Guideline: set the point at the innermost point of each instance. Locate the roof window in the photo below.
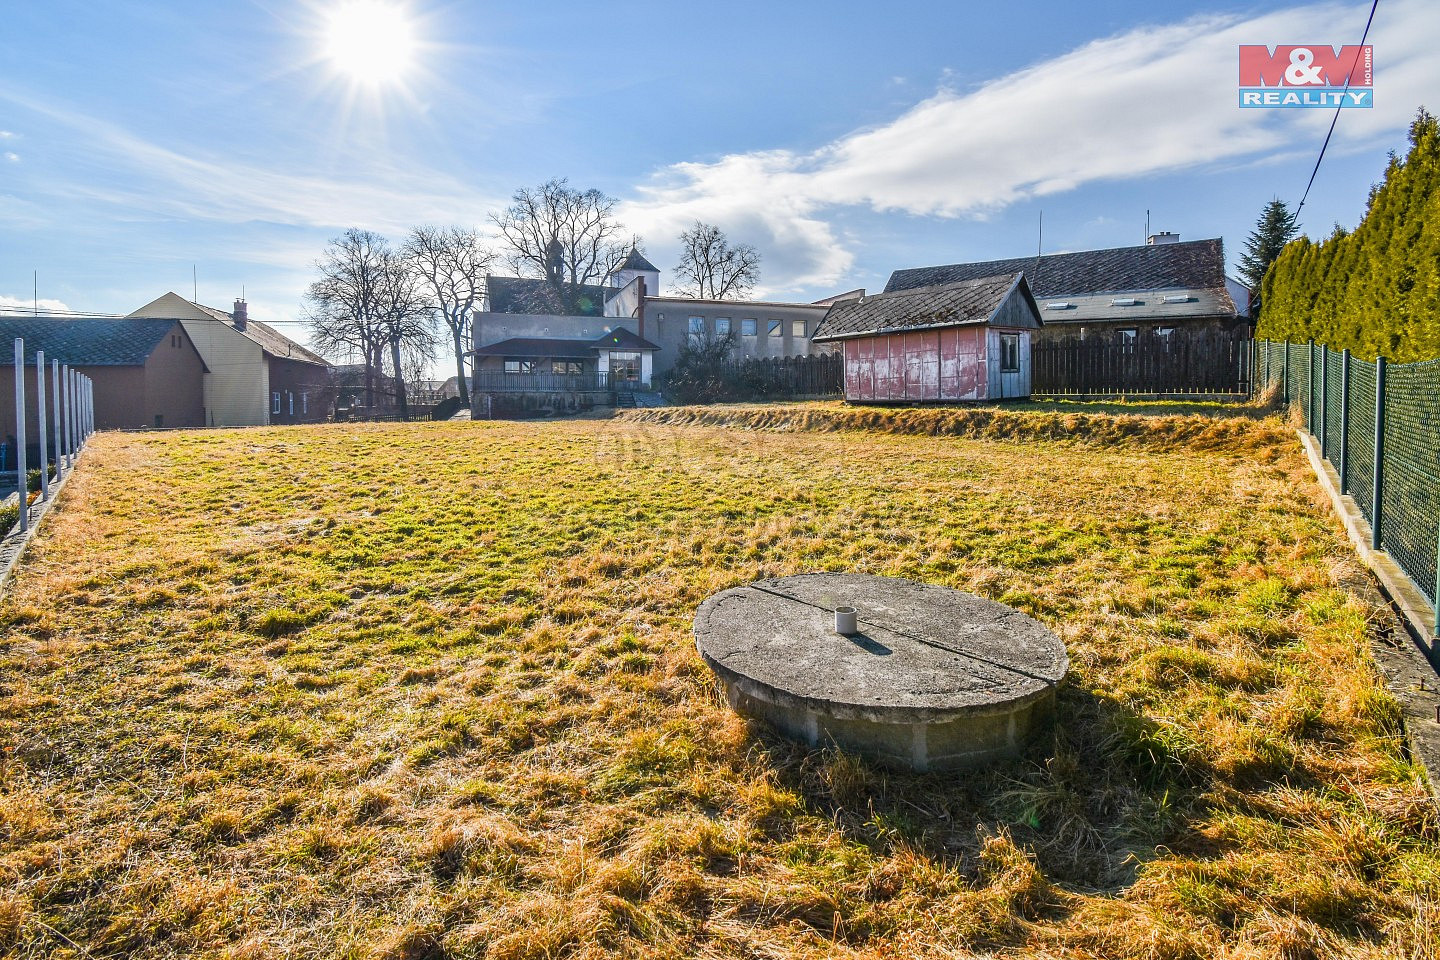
(1124, 302)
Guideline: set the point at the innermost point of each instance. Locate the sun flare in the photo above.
(370, 41)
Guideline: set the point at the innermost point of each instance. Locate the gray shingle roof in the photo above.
(623, 339)
(635, 260)
(557, 347)
(272, 341)
(86, 341)
(974, 300)
(1194, 264)
(553, 347)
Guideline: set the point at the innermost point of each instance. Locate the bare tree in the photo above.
(568, 237)
(365, 301)
(711, 269)
(451, 263)
(407, 319)
(344, 303)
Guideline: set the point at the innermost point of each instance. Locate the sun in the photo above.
(370, 41)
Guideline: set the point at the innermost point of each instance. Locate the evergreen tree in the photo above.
(1375, 289)
(1275, 228)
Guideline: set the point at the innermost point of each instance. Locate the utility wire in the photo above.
(1338, 107)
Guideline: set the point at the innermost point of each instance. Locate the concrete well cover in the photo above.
(934, 678)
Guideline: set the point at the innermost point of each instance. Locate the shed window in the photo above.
(1127, 335)
(304, 402)
(797, 329)
(519, 366)
(697, 324)
(291, 398)
(275, 402)
(1166, 335)
(1009, 353)
(722, 326)
(748, 327)
(565, 367)
(776, 329)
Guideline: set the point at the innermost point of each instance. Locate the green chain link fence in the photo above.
(1378, 424)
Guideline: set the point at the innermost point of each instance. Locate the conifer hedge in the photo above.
(1376, 289)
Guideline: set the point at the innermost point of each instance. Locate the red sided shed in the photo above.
(966, 341)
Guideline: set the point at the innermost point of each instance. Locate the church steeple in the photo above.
(635, 265)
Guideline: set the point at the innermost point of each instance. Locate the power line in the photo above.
(1340, 104)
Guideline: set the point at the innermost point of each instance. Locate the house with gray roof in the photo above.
(1165, 288)
(963, 340)
(256, 375)
(146, 371)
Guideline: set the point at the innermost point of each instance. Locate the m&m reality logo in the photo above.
(1309, 75)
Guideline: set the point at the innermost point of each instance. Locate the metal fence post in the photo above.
(70, 415)
(1345, 420)
(40, 421)
(1310, 391)
(1325, 402)
(55, 416)
(22, 487)
(1285, 376)
(1377, 521)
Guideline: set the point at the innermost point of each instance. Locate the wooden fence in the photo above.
(760, 378)
(1199, 365)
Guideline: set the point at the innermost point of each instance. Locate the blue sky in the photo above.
(842, 139)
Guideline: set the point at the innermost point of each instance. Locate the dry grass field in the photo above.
(425, 691)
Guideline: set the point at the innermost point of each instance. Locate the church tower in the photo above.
(635, 265)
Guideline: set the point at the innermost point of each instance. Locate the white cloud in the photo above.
(11, 304)
(12, 157)
(200, 185)
(1151, 101)
(6, 134)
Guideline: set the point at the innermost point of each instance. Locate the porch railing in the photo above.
(491, 382)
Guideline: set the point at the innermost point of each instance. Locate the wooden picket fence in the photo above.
(1194, 366)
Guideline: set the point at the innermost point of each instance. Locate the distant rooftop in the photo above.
(1193, 264)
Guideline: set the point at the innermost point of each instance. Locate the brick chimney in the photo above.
(241, 315)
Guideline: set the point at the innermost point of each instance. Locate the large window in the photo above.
(777, 329)
(697, 325)
(1009, 352)
(566, 367)
(722, 326)
(748, 326)
(797, 329)
(519, 366)
(624, 367)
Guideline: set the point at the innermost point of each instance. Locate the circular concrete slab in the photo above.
(933, 679)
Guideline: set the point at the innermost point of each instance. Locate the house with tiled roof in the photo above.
(1165, 288)
(146, 372)
(962, 340)
(256, 375)
(524, 331)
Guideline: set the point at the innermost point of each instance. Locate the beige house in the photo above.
(255, 375)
